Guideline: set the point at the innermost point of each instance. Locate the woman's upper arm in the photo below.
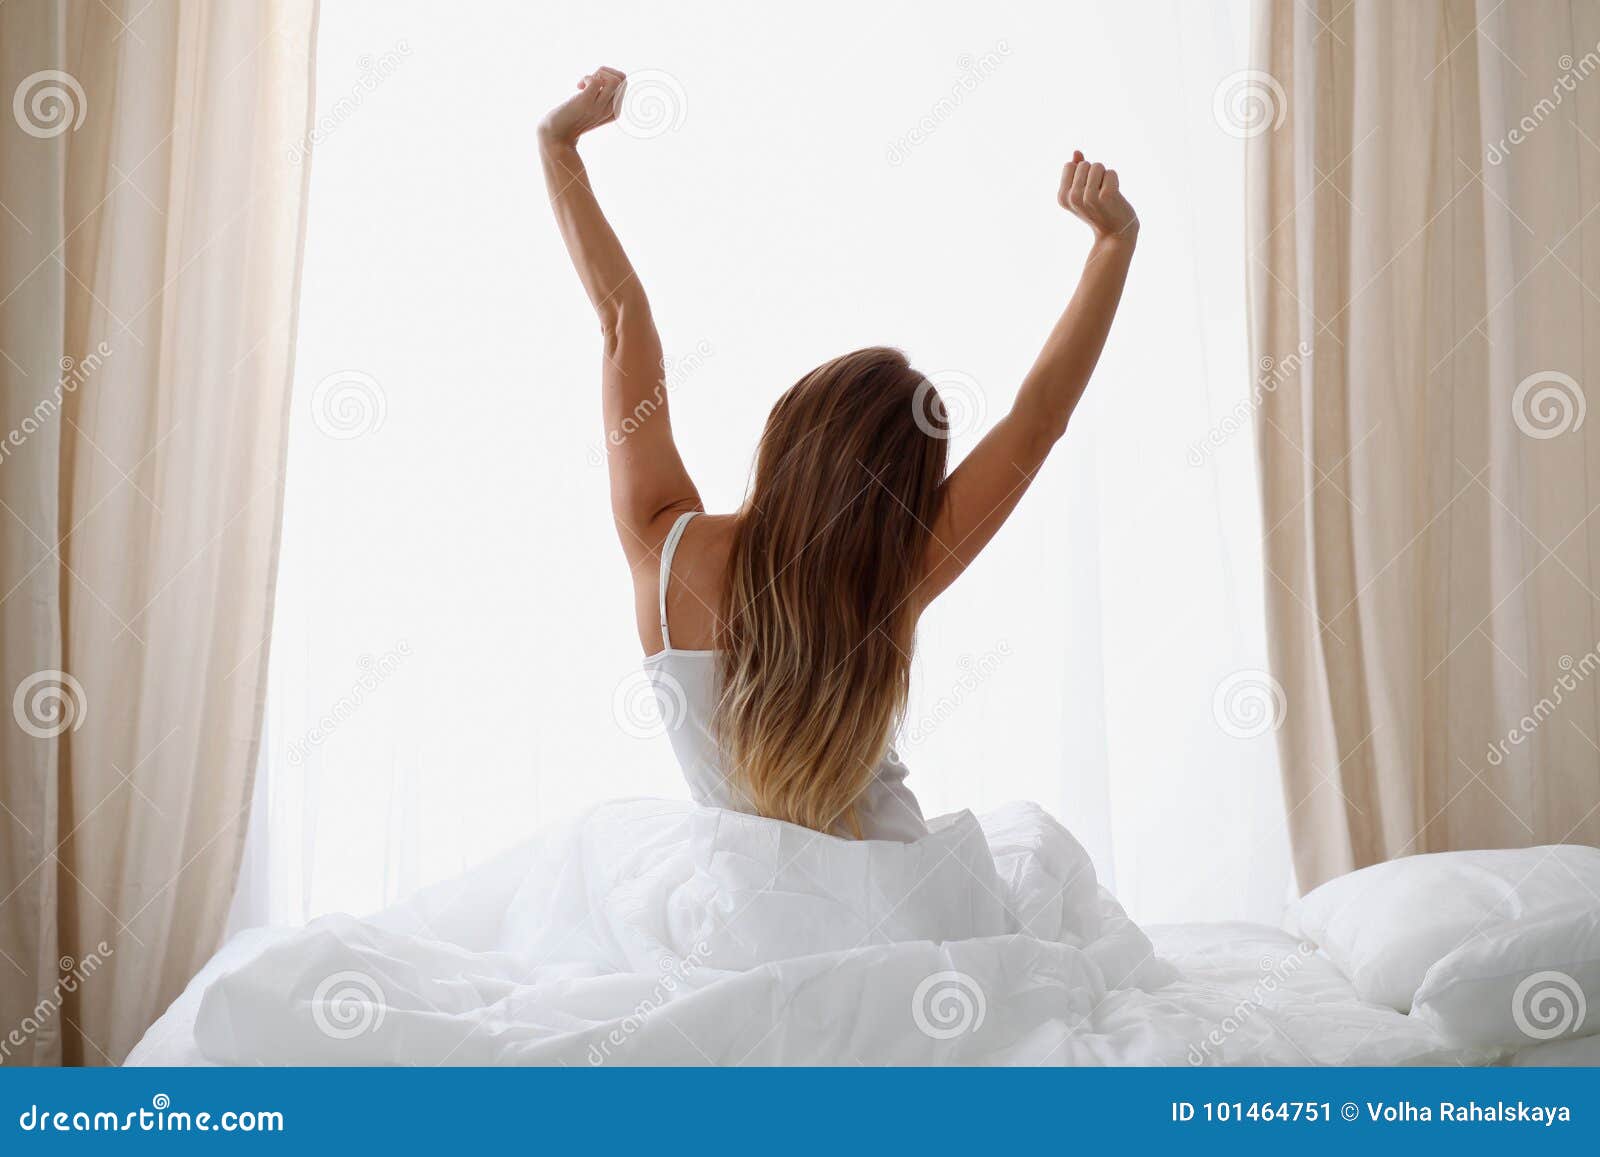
(648, 477)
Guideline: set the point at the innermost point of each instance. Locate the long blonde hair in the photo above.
(815, 635)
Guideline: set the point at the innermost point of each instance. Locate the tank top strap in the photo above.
(668, 549)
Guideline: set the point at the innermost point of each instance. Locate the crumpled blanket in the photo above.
(659, 932)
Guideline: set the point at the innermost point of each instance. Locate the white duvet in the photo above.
(656, 932)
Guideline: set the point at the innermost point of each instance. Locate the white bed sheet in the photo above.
(657, 933)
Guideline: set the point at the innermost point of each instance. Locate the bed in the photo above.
(656, 932)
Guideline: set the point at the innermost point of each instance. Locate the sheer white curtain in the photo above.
(454, 662)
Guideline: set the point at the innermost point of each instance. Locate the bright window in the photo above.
(454, 616)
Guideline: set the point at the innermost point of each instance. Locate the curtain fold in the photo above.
(153, 177)
(1423, 181)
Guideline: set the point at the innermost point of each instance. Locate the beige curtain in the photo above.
(152, 198)
(1424, 223)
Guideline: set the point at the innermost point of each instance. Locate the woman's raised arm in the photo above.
(981, 493)
(648, 479)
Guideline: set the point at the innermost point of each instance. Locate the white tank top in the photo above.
(685, 684)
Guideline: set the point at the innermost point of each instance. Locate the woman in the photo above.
(785, 629)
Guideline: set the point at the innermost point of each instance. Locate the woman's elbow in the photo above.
(1040, 427)
(623, 314)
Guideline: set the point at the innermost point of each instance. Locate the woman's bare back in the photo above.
(696, 588)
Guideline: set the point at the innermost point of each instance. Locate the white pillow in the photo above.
(1572, 1053)
(1520, 986)
(1386, 925)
